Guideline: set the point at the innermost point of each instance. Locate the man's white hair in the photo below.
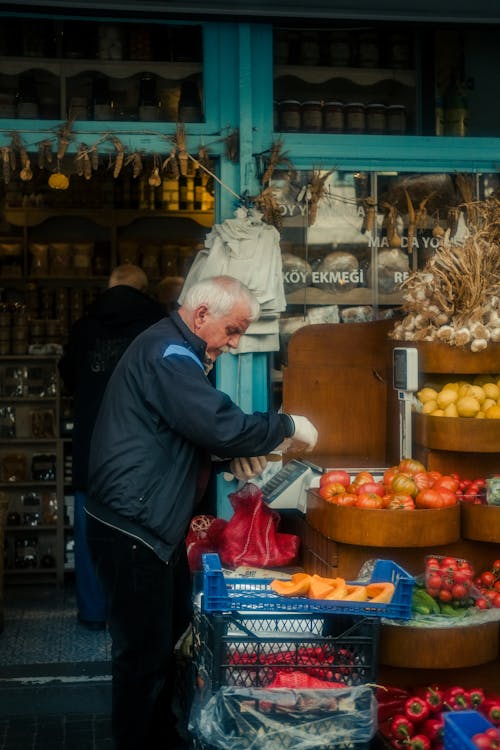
(220, 294)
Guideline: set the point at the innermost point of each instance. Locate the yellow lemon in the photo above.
(453, 386)
(451, 411)
(468, 406)
(429, 407)
(483, 378)
(446, 396)
(475, 391)
(480, 415)
(491, 390)
(464, 390)
(493, 412)
(437, 413)
(427, 394)
(487, 403)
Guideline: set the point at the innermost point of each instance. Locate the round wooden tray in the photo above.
(436, 357)
(438, 648)
(461, 434)
(480, 522)
(383, 528)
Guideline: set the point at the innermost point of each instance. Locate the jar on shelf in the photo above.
(309, 48)
(290, 115)
(311, 117)
(375, 119)
(368, 49)
(340, 49)
(355, 119)
(60, 258)
(400, 53)
(333, 117)
(190, 108)
(396, 119)
(82, 258)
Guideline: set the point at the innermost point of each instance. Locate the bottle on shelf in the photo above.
(455, 109)
(190, 109)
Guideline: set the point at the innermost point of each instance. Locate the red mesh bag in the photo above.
(296, 680)
(203, 536)
(251, 536)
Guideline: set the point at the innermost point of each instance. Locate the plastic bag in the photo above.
(203, 536)
(251, 537)
(242, 718)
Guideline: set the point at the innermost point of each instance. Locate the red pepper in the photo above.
(387, 711)
(389, 693)
(476, 697)
(456, 698)
(416, 709)
(401, 727)
(433, 728)
(433, 696)
(419, 742)
(491, 709)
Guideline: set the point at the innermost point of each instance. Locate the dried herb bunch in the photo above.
(455, 298)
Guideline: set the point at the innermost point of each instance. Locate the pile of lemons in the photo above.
(479, 398)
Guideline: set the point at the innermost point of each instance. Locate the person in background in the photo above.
(95, 344)
(160, 425)
(168, 290)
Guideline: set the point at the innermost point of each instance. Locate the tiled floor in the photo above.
(54, 674)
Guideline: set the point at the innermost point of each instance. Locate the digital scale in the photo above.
(405, 381)
(288, 487)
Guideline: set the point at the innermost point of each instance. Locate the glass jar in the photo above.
(311, 116)
(333, 117)
(340, 49)
(375, 119)
(396, 119)
(399, 45)
(309, 50)
(289, 115)
(368, 49)
(355, 121)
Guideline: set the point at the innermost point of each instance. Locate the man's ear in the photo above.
(200, 315)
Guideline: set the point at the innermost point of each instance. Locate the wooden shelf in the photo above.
(461, 434)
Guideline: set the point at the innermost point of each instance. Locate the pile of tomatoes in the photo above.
(403, 487)
(488, 583)
(449, 579)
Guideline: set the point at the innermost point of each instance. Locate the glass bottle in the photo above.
(189, 109)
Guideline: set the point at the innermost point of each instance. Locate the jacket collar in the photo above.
(192, 341)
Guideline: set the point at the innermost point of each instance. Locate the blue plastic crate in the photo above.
(222, 594)
(461, 726)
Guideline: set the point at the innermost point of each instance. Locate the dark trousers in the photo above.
(89, 594)
(147, 611)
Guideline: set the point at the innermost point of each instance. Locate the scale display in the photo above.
(288, 488)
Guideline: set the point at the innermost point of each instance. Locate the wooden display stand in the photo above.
(340, 376)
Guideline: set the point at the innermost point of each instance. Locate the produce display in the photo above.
(414, 718)
(451, 588)
(455, 298)
(478, 398)
(407, 486)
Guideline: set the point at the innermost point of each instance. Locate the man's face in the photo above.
(221, 333)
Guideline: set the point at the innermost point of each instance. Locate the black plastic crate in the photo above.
(250, 649)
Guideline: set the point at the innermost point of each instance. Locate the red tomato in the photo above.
(335, 476)
(389, 475)
(446, 483)
(459, 591)
(362, 477)
(487, 578)
(496, 601)
(496, 586)
(401, 502)
(449, 497)
(482, 603)
(428, 499)
(445, 595)
(328, 491)
(433, 581)
(411, 466)
(422, 480)
(346, 498)
(434, 475)
(496, 565)
(375, 487)
(369, 500)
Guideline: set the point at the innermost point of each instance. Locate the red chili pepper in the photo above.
(491, 709)
(433, 696)
(416, 709)
(456, 698)
(401, 727)
(476, 697)
(389, 693)
(433, 728)
(419, 742)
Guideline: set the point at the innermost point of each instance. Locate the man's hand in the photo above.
(305, 436)
(247, 468)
